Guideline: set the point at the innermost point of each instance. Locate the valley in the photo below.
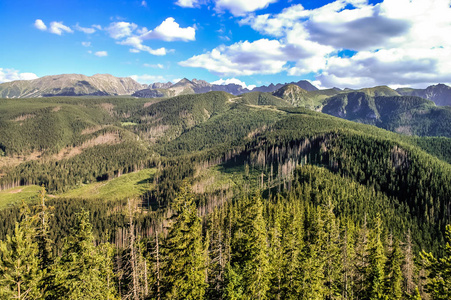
(244, 170)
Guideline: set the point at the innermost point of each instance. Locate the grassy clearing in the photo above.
(129, 124)
(231, 175)
(16, 195)
(127, 186)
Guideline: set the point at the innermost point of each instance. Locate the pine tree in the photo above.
(331, 253)
(20, 272)
(292, 245)
(43, 239)
(394, 278)
(439, 278)
(311, 261)
(249, 250)
(80, 271)
(183, 251)
(375, 270)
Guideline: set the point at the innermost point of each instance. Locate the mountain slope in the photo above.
(440, 94)
(299, 97)
(69, 85)
(186, 87)
(403, 114)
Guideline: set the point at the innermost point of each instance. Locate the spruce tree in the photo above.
(20, 273)
(81, 271)
(43, 239)
(292, 245)
(183, 251)
(249, 250)
(394, 278)
(439, 278)
(376, 262)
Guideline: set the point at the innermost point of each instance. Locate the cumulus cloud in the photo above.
(395, 42)
(233, 81)
(137, 45)
(118, 30)
(101, 53)
(187, 3)
(241, 7)
(7, 75)
(59, 28)
(243, 58)
(39, 24)
(169, 30)
(86, 44)
(86, 30)
(263, 56)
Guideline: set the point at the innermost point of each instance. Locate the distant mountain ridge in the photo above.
(186, 86)
(440, 93)
(301, 93)
(109, 85)
(70, 85)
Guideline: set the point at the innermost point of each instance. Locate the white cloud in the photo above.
(144, 3)
(233, 81)
(147, 79)
(245, 58)
(39, 24)
(86, 44)
(241, 7)
(7, 75)
(98, 27)
(58, 28)
(344, 43)
(156, 66)
(169, 30)
(136, 43)
(85, 29)
(101, 53)
(118, 30)
(187, 3)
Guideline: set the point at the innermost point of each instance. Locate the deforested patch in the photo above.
(24, 117)
(407, 130)
(108, 107)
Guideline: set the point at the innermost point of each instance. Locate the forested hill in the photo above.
(219, 196)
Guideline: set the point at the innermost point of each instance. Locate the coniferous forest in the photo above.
(214, 196)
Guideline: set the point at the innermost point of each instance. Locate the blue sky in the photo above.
(343, 43)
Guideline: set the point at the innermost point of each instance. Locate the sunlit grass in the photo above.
(125, 186)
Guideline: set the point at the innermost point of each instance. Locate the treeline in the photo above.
(296, 245)
(97, 163)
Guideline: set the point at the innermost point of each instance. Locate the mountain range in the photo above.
(301, 93)
(69, 85)
(108, 85)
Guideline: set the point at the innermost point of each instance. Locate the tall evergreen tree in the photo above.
(376, 262)
(439, 278)
(394, 278)
(292, 245)
(20, 272)
(183, 250)
(249, 250)
(43, 239)
(80, 271)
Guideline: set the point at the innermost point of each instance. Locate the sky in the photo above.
(343, 43)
